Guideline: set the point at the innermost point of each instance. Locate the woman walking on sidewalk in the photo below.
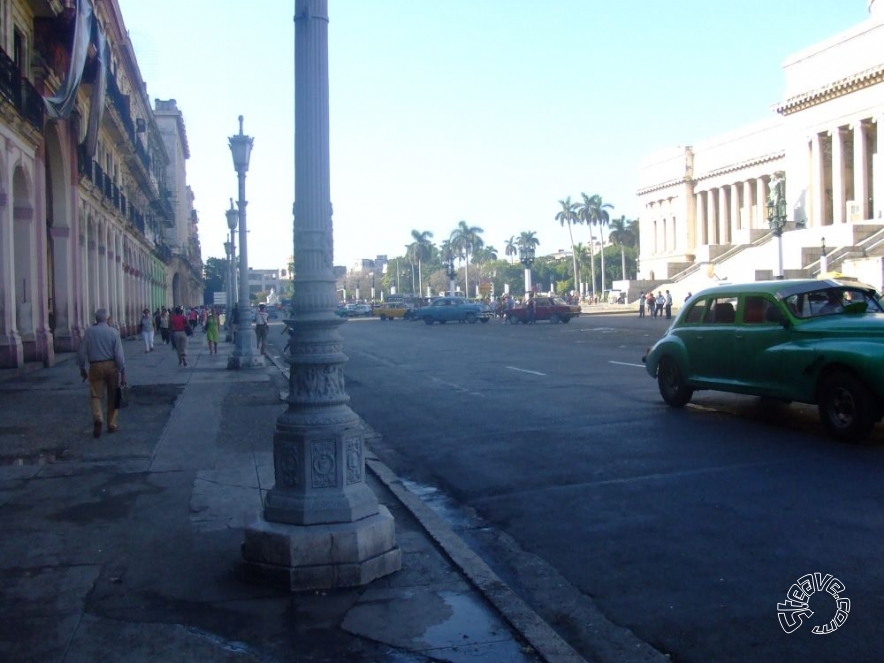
(211, 329)
(179, 326)
(147, 330)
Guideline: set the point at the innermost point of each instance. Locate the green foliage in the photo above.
(215, 278)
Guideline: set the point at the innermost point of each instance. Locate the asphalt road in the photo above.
(686, 527)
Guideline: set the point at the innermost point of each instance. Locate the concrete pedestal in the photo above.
(308, 557)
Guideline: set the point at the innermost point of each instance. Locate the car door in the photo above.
(711, 343)
(542, 308)
(758, 335)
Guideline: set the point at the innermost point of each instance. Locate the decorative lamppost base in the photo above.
(236, 362)
(302, 557)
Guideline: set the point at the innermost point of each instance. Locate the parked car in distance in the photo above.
(354, 311)
(812, 341)
(451, 309)
(394, 310)
(552, 308)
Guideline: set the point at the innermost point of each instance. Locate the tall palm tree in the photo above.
(511, 249)
(621, 235)
(568, 214)
(467, 239)
(423, 247)
(584, 215)
(412, 255)
(595, 212)
(528, 240)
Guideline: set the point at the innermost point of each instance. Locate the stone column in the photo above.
(701, 218)
(761, 202)
(711, 227)
(861, 169)
(735, 220)
(817, 215)
(322, 526)
(839, 184)
(747, 221)
(723, 227)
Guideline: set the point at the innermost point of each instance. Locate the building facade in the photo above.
(86, 187)
(704, 207)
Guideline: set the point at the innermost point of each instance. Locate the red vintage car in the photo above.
(554, 309)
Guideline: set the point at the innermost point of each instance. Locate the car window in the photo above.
(831, 301)
(721, 311)
(698, 308)
(755, 309)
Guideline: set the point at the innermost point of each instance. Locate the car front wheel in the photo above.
(428, 320)
(513, 320)
(846, 407)
(554, 319)
(671, 383)
(471, 318)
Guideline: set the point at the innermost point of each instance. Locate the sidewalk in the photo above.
(126, 548)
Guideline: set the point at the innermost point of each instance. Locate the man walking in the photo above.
(641, 304)
(262, 320)
(102, 348)
(668, 305)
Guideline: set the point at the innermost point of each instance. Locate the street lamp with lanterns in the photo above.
(245, 353)
(526, 257)
(776, 213)
(232, 221)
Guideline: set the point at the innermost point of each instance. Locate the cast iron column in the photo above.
(322, 526)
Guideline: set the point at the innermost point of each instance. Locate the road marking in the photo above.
(457, 387)
(625, 363)
(525, 370)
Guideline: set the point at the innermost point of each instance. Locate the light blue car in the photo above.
(451, 309)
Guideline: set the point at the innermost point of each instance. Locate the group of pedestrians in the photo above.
(657, 306)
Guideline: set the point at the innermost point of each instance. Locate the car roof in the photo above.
(780, 289)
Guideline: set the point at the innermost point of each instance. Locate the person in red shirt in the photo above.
(179, 327)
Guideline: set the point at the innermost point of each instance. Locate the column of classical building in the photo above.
(10, 348)
(748, 221)
(735, 222)
(839, 184)
(861, 168)
(711, 218)
(817, 216)
(700, 219)
(878, 170)
(760, 201)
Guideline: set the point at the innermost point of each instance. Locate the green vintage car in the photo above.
(811, 341)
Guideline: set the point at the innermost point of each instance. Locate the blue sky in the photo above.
(488, 111)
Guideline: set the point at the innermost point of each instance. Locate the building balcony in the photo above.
(19, 92)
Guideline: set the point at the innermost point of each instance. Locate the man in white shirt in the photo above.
(262, 320)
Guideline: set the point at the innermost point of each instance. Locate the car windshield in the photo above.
(833, 301)
(558, 301)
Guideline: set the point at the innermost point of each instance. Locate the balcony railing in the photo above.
(18, 91)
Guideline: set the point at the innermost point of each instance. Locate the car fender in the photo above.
(809, 362)
(668, 346)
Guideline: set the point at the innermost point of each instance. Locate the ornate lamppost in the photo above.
(526, 257)
(321, 526)
(776, 213)
(232, 220)
(452, 274)
(245, 353)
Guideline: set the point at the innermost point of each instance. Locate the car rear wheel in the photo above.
(671, 383)
(484, 320)
(428, 320)
(383, 317)
(513, 320)
(565, 321)
(554, 319)
(471, 318)
(846, 407)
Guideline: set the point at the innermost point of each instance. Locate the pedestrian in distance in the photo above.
(531, 309)
(668, 305)
(262, 322)
(212, 331)
(164, 325)
(641, 304)
(660, 303)
(147, 329)
(179, 326)
(102, 348)
(652, 307)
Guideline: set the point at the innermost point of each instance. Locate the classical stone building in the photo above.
(94, 208)
(704, 207)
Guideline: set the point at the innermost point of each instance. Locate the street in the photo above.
(552, 451)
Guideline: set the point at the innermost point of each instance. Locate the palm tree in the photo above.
(423, 247)
(584, 215)
(467, 239)
(568, 214)
(484, 254)
(621, 235)
(412, 255)
(511, 249)
(594, 211)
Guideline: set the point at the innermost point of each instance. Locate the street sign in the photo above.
(219, 298)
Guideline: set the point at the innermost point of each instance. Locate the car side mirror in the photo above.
(775, 314)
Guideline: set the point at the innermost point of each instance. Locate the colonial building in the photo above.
(94, 207)
(704, 207)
